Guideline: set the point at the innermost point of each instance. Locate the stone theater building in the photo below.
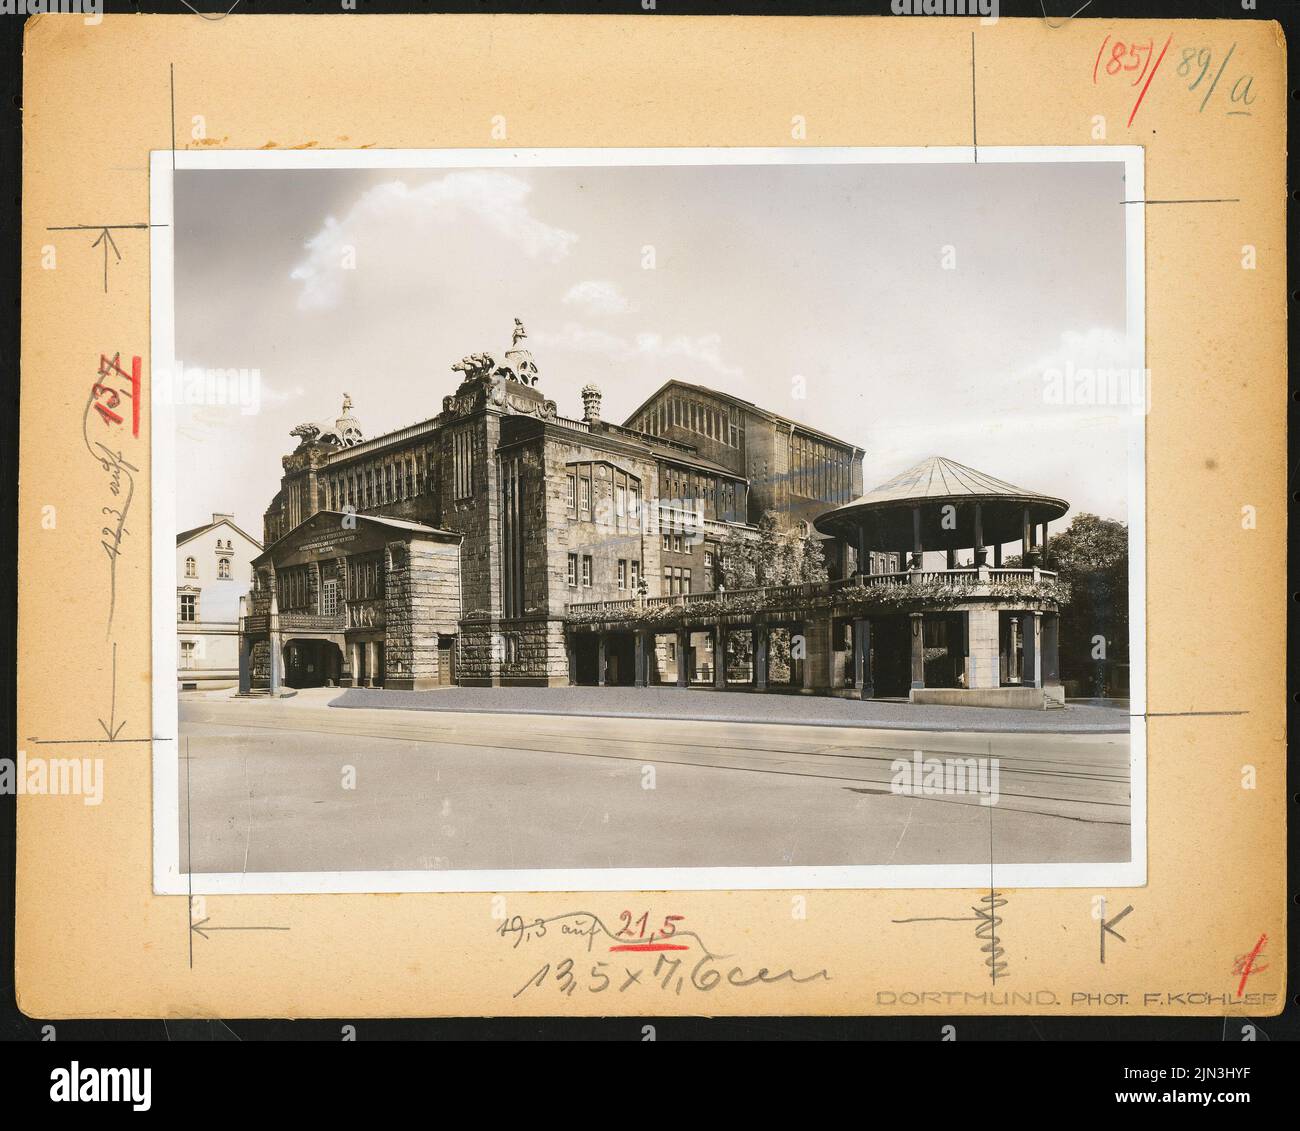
(499, 543)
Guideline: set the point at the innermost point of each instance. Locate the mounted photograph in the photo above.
(648, 519)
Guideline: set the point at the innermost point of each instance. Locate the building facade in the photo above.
(213, 566)
(499, 543)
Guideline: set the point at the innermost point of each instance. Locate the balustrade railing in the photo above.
(775, 595)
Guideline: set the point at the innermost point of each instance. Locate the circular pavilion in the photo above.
(971, 632)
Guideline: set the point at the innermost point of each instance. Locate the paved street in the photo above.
(745, 707)
(464, 791)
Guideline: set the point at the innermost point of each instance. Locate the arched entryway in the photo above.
(312, 663)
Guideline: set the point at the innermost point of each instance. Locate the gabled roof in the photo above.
(194, 531)
(377, 519)
(739, 402)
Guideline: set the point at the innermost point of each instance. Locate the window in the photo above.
(634, 502)
(672, 650)
(223, 569)
(189, 607)
(187, 654)
(586, 571)
(668, 542)
(573, 571)
(462, 443)
(677, 543)
(571, 493)
(584, 496)
(708, 562)
(668, 580)
(329, 597)
(636, 575)
(686, 581)
(622, 573)
(620, 500)
(191, 568)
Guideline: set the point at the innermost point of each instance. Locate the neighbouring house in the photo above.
(213, 570)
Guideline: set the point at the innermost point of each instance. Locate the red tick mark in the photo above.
(1247, 965)
(1149, 78)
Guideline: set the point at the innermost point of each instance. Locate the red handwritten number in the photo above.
(109, 367)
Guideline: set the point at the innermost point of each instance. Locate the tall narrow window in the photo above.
(512, 535)
(586, 571)
(571, 493)
(189, 607)
(573, 571)
(191, 568)
(223, 569)
(622, 573)
(187, 654)
(463, 463)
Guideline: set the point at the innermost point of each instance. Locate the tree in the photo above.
(1092, 556)
(771, 556)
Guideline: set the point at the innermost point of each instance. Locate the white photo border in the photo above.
(168, 879)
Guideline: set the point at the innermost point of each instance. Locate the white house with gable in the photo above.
(213, 567)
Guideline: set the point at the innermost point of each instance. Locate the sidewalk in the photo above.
(701, 705)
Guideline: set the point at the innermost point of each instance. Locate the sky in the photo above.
(912, 310)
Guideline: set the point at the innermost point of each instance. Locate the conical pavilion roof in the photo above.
(937, 477)
(931, 484)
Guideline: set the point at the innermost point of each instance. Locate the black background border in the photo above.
(17, 1027)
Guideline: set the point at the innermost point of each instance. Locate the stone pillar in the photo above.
(862, 680)
(372, 663)
(245, 676)
(918, 650)
(641, 660)
(1032, 673)
(760, 657)
(276, 658)
(600, 660)
(918, 552)
(997, 556)
(346, 670)
(985, 649)
(981, 552)
(683, 655)
(719, 658)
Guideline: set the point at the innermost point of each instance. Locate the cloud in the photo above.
(395, 212)
(596, 296)
(705, 350)
(1100, 347)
